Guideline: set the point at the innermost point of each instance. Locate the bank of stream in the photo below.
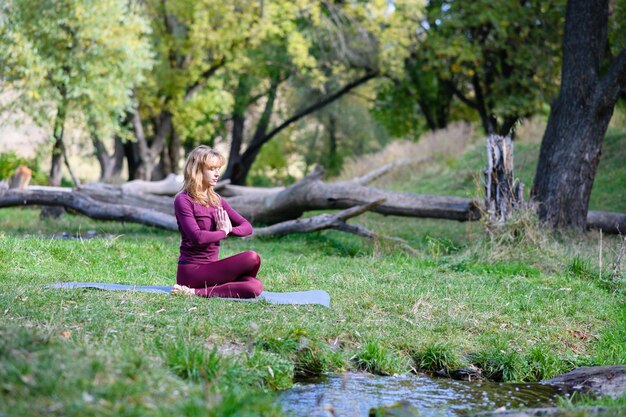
(355, 394)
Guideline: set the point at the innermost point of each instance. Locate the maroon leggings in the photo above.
(234, 276)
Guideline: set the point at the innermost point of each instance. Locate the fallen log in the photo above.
(229, 190)
(88, 206)
(85, 204)
(597, 380)
(312, 194)
(170, 185)
(107, 193)
(320, 222)
(279, 205)
(607, 221)
(263, 206)
(335, 221)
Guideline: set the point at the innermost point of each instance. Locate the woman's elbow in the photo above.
(247, 231)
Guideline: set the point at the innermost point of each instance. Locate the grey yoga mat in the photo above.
(299, 297)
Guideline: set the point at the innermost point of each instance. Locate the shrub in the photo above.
(373, 357)
(310, 357)
(501, 364)
(581, 268)
(436, 357)
(544, 364)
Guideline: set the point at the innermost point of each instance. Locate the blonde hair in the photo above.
(198, 159)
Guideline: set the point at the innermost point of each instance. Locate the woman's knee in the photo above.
(253, 258)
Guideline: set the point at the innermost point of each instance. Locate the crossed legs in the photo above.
(234, 276)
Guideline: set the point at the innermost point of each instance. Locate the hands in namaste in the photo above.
(222, 220)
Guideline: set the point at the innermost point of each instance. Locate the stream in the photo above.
(354, 394)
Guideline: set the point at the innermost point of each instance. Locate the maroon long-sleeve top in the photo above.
(200, 240)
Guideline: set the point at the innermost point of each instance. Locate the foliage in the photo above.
(341, 130)
(73, 53)
(500, 363)
(271, 370)
(500, 59)
(273, 165)
(193, 40)
(608, 404)
(343, 44)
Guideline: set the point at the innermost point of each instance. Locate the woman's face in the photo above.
(210, 175)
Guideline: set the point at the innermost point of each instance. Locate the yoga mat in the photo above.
(299, 297)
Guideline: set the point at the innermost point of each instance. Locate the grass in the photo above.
(520, 306)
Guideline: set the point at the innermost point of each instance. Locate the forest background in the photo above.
(279, 86)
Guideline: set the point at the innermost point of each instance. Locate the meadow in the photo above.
(520, 305)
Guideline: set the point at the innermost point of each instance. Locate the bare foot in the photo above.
(182, 289)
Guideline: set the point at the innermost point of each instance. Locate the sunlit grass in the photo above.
(516, 305)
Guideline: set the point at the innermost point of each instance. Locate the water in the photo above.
(354, 394)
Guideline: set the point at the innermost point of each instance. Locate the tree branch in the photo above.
(203, 78)
(255, 146)
(463, 98)
(613, 81)
(320, 222)
(139, 132)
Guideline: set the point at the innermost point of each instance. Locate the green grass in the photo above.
(520, 306)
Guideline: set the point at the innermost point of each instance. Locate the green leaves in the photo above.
(87, 55)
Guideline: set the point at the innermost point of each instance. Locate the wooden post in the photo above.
(503, 193)
(21, 178)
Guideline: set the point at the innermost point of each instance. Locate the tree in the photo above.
(500, 59)
(591, 82)
(72, 58)
(418, 100)
(196, 44)
(348, 43)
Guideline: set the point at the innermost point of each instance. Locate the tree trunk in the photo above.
(20, 178)
(503, 193)
(239, 120)
(146, 154)
(164, 167)
(57, 149)
(174, 148)
(234, 157)
(333, 162)
(132, 159)
(118, 158)
(572, 143)
(106, 161)
(54, 179)
(242, 168)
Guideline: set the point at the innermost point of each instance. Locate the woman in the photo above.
(204, 219)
